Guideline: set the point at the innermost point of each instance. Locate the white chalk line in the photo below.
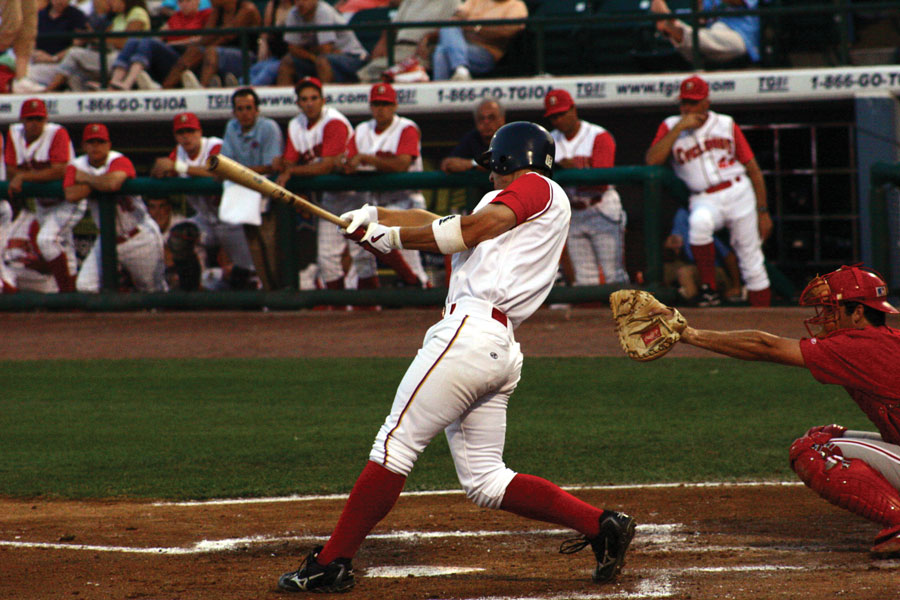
(642, 486)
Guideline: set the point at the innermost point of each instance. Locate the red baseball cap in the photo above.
(856, 284)
(557, 101)
(307, 82)
(694, 88)
(383, 92)
(33, 107)
(95, 131)
(187, 120)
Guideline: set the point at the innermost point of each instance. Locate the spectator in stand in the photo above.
(349, 7)
(80, 69)
(170, 7)
(272, 46)
(489, 117)
(188, 159)
(139, 244)
(215, 54)
(596, 243)
(464, 51)
(38, 152)
(316, 142)
(388, 143)
(257, 143)
(721, 39)
(413, 46)
(146, 60)
(18, 30)
(327, 55)
(59, 16)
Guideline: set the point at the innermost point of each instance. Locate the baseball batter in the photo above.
(316, 142)
(188, 159)
(710, 154)
(139, 244)
(596, 244)
(505, 256)
(389, 143)
(38, 151)
(851, 346)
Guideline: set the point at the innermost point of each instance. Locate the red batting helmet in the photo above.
(847, 284)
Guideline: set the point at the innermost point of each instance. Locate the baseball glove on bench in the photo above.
(646, 327)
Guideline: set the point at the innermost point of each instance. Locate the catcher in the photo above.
(850, 345)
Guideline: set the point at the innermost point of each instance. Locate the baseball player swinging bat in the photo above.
(238, 173)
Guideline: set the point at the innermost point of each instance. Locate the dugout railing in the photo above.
(588, 31)
(655, 183)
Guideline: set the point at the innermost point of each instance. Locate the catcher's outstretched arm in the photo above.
(747, 344)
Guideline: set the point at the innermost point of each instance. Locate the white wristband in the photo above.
(181, 167)
(448, 234)
(394, 238)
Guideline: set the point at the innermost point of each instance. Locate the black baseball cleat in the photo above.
(708, 297)
(609, 546)
(335, 577)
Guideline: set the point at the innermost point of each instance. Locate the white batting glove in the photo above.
(361, 217)
(382, 238)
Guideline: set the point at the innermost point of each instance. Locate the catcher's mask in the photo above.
(847, 284)
(519, 145)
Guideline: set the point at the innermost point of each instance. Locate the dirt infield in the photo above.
(698, 542)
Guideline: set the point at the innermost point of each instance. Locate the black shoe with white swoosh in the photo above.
(335, 577)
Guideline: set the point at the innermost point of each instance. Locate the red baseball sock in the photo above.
(373, 496)
(705, 257)
(59, 267)
(369, 283)
(535, 498)
(760, 298)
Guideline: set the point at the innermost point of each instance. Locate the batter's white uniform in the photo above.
(401, 137)
(213, 232)
(710, 160)
(139, 244)
(470, 362)
(597, 234)
(328, 137)
(56, 218)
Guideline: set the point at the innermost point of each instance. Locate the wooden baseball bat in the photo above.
(238, 173)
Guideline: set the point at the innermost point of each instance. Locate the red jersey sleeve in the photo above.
(9, 153)
(334, 138)
(122, 164)
(526, 196)
(351, 147)
(173, 155)
(61, 147)
(860, 359)
(290, 153)
(742, 149)
(215, 149)
(409, 142)
(603, 154)
(69, 179)
(660, 133)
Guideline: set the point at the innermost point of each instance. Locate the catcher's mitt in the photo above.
(647, 328)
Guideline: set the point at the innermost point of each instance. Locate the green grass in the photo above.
(222, 428)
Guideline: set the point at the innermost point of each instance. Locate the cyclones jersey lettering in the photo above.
(515, 270)
(865, 362)
(402, 136)
(207, 206)
(52, 146)
(327, 137)
(713, 153)
(592, 147)
(130, 209)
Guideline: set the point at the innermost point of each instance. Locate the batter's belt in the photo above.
(475, 307)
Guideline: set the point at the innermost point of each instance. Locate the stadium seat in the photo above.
(369, 37)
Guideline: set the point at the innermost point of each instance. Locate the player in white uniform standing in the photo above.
(505, 258)
(38, 151)
(7, 278)
(389, 143)
(139, 244)
(596, 244)
(188, 159)
(316, 142)
(709, 153)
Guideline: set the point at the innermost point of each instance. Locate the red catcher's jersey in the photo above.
(867, 363)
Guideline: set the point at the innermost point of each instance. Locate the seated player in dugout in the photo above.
(850, 345)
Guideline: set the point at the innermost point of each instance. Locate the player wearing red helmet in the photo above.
(850, 345)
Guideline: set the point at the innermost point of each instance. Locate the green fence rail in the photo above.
(654, 181)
